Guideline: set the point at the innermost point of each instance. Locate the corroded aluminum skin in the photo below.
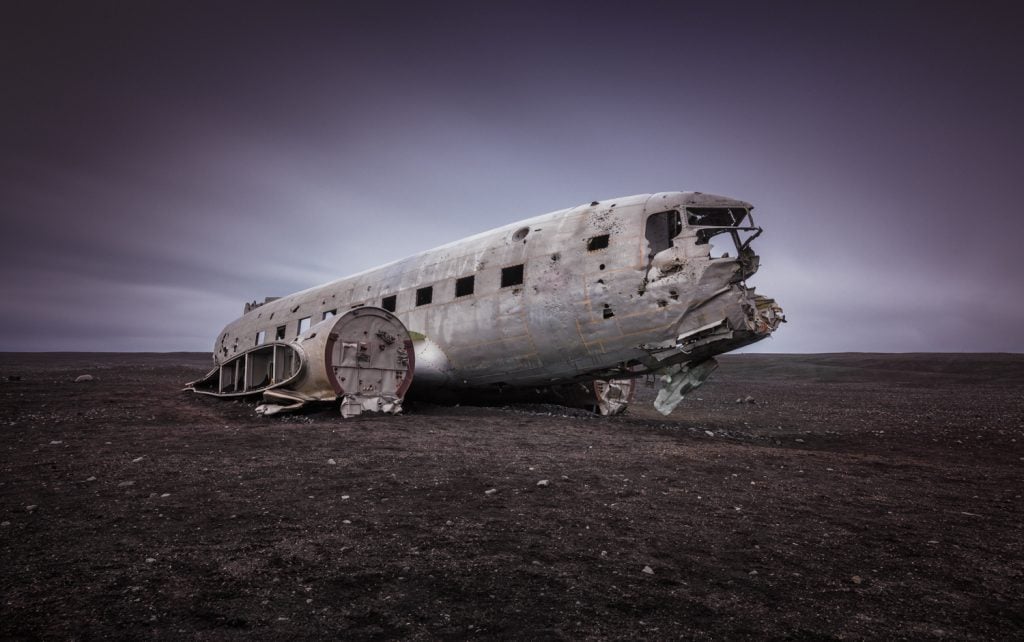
(579, 314)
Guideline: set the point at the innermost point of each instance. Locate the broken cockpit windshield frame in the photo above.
(724, 229)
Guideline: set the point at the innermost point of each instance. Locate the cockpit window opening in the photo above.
(721, 242)
(660, 229)
(715, 216)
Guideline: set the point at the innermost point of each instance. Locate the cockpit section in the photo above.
(674, 237)
(699, 256)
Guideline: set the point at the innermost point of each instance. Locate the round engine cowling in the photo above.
(364, 358)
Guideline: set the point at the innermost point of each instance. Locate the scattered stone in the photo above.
(344, 496)
(490, 491)
(150, 560)
(5, 524)
(544, 482)
(137, 460)
(56, 442)
(856, 579)
(165, 495)
(648, 570)
(604, 553)
(449, 523)
(83, 378)
(565, 477)
(90, 478)
(331, 462)
(749, 399)
(126, 483)
(799, 441)
(752, 573)
(31, 507)
(709, 433)
(346, 521)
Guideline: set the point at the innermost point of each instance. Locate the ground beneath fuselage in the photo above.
(857, 496)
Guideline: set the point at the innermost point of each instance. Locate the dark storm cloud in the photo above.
(160, 166)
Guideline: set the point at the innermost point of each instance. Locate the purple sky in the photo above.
(161, 166)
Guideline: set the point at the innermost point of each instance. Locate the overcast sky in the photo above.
(161, 163)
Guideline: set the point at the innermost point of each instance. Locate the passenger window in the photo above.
(261, 336)
(279, 334)
(464, 286)
(511, 276)
(424, 295)
(597, 243)
(388, 302)
(303, 324)
(330, 313)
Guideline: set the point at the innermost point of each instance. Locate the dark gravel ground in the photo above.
(858, 496)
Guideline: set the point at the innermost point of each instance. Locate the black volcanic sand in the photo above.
(858, 496)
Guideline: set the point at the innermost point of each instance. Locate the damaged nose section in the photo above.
(691, 355)
(704, 252)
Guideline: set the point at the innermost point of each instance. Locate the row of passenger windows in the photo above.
(464, 286)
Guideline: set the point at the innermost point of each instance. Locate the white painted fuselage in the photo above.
(609, 289)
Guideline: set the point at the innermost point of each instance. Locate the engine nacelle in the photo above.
(364, 358)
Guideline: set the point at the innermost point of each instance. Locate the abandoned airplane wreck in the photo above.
(569, 307)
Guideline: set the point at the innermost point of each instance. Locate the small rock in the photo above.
(5, 524)
(752, 573)
(31, 507)
(331, 462)
(90, 478)
(856, 579)
(150, 560)
(449, 523)
(490, 491)
(83, 378)
(604, 553)
(748, 399)
(56, 442)
(165, 495)
(344, 496)
(799, 441)
(127, 483)
(709, 433)
(739, 401)
(544, 482)
(565, 477)
(346, 521)
(648, 570)
(137, 460)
